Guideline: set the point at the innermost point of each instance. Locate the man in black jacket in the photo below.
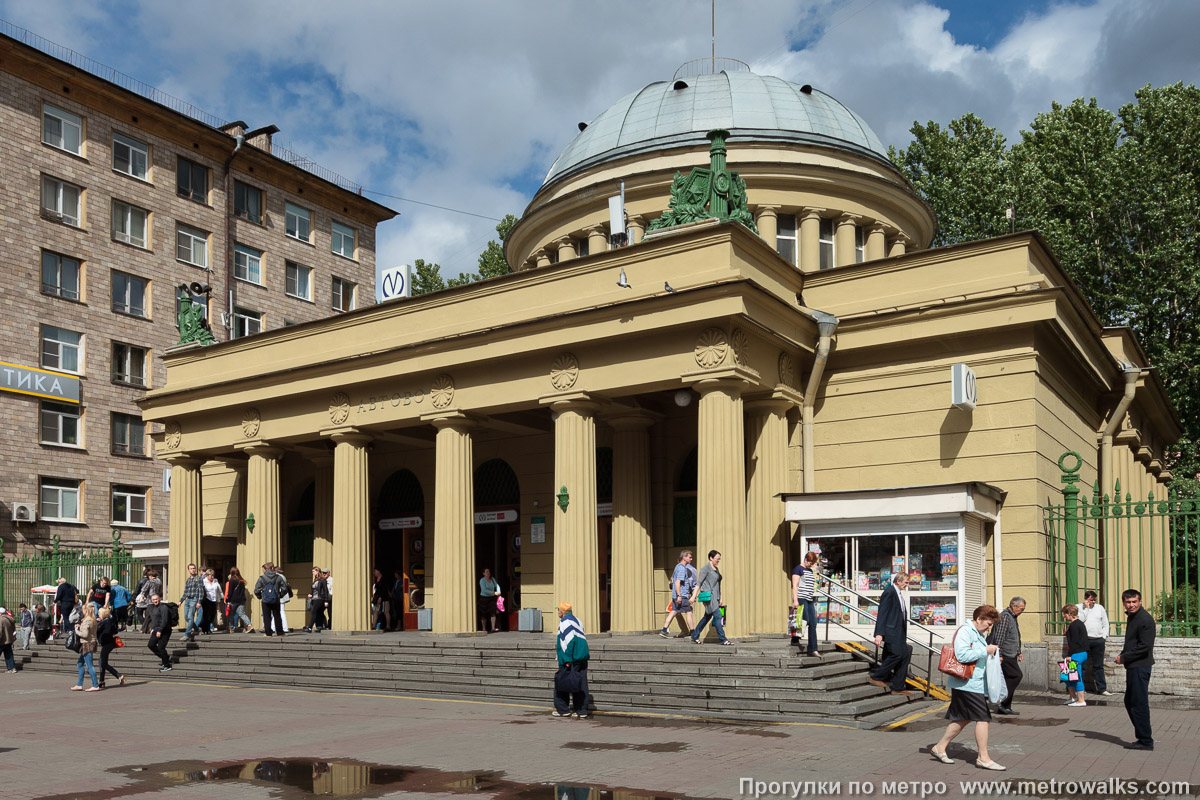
(65, 596)
(160, 631)
(1137, 656)
(891, 630)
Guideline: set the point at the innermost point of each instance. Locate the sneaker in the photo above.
(11, 671)
(1106, 694)
(583, 715)
(307, 630)
(557, 715)
(1077, 704)
(165, 668)
(663, 633)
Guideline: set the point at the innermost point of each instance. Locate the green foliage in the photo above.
(428, 278)
(1115, 195)
(1178, 612)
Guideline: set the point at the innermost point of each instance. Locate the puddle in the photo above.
(298, 778)
(655, 747)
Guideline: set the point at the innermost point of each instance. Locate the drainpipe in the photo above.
(229, 282)
(826, 325)
(1132, 373)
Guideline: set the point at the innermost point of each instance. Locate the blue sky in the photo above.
(466, 103)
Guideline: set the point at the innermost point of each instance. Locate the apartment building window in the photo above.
(60, 275)
(247, 263)
(860, 249)
(246, 322)
(129, 294)
(129, 223)
(62, 350)
(129, 505)
(129, 364)
(60, 423)
(299, 280)
(191, 180)
(826, 240)
(786, 239)
(59, 499)
(128, 435)
(191, 246)
(61, 200)
(247, 202)
(62, 129)
(299, 222)
(343, 240)
(343, 294)
(130, 156)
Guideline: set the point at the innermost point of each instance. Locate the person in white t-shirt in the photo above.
(1095, 619)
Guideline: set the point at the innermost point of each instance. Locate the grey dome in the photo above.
(749, 106)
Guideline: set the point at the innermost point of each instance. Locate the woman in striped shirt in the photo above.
(804, 581)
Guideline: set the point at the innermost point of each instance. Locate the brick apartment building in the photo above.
(113, 198)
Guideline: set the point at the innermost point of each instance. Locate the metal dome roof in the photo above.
(749, 106)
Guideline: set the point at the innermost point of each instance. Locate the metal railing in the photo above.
(930, 650)
(142, 89)
(710, 66)
(1110, 543)
(21, 575)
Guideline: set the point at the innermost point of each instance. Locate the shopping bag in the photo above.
(997, 689)
(499, 602)
(118, 641)
(1068, 671)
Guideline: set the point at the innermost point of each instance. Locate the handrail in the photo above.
(873, 601)
(872, 617)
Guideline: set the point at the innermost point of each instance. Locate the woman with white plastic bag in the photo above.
(969, 694)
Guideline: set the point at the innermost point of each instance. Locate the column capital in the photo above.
(351, 436)
(600, 228)
(630, 419)
(766, 208)
(706, 380)
(901, 236)
(185, 460)
(637, 220)
(846, 218)
(450, 418)
(878, 227)
(573, 401)
(811, 213)
(781, 399)
(261, 448)
(562, 241)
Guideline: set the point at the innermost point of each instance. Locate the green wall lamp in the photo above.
(250, 522)
(564, 499)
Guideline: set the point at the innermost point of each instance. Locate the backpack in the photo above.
(270, 592)
(172, 614)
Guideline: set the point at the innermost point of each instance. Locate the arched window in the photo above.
(683, 519)
(401, 495)
(496, 485)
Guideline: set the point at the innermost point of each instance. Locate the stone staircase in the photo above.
(764, 680)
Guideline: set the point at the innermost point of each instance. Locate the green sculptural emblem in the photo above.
(193, 327)
(707, 192)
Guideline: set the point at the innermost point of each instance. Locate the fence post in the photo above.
(1070, 476)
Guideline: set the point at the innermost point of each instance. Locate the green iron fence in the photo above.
(1112, 542)
(20, 575)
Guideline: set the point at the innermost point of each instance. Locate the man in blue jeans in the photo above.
(192, 602)
(708, 591)
(1137, 656)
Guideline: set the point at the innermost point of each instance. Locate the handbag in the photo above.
(118, 641)
(73, 642)
(704, 597)
(950, 665)
(1068, 671)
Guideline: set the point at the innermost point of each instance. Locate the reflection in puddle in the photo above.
(298, 778)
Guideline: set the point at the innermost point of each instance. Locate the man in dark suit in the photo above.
(891, 631)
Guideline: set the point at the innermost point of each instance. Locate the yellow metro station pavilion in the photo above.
(760, 387)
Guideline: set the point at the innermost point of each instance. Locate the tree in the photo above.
(1115, 196)
(427, 277)
(491, 260)
(961, 172)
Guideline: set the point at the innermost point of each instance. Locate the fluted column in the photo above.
(876, 244)
(767, 533)
(454, 587)
(767, 219)
(576, 539)
(323, 513)
(637, 229)
(597, 239)
(566, 249)
(810, 240)
(264, 542)
(183, 547)
(632, 549)
(542, 257)
(721, 493)
(899, 245)
(351, 531)
(843, 243)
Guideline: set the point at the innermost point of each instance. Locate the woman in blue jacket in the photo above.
(968, 698)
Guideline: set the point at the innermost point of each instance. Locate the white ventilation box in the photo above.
(24, 512)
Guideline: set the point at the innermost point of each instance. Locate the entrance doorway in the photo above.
(399, 526)
(497, 536)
